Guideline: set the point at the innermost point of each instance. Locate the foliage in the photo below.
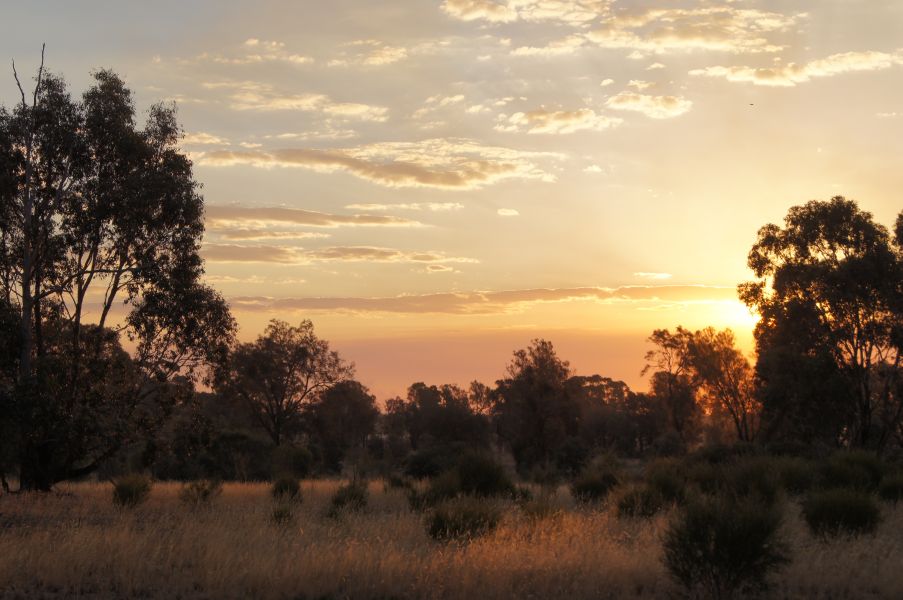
(286, 489)
(595, 483)
(202, 491)
(831, 512)
(283, 514)
(463, 518)
(829, 338)
(340, 420)
(350, 497)
(292, 461)
(280, 373)
(431, 461)
(891, 488)
(99, 210)
(480, 475)
(858, 469)
(723, 546)
(640, 501)
(131, 490)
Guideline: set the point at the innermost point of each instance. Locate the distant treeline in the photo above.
(98, 215)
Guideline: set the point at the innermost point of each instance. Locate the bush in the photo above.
(831, 512)
(443, 487)
(430, 462)
(857, 470)
(640, 501)
(724, 545)
(594, 484)
(292, 461)
(350, 497)
(200, 492)
(463, 518)
(796, 475)
(286, 489)
(891, 488)
(666, 478)
(539, 508)
(283, 514)
(752, 476)
(131, 490)
(479, 475)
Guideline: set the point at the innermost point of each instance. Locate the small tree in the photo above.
(280, 373)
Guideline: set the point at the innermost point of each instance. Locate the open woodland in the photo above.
(146, 451)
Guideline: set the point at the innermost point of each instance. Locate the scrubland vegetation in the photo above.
(265, 469)
(714, 529)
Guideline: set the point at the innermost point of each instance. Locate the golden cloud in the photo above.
(655, 107)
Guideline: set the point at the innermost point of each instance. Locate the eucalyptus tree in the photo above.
(829, 289)
(100, 231)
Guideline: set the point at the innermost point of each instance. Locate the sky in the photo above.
(434, 183)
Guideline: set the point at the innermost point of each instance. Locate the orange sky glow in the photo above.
(436, 183)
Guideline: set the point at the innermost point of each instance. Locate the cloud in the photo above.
(431, 206)
(255, 51)
(447, 163)
(199, 138)
(656, 107)
(257, 96)
(369, 53)
(572, 12)
(249, 235)
(230, 218)
(791, 74)
(655, 66)
(606, 82)
(434, 103)
(718, 28)
(508, 212)
(568, 45)
(646, 275)
(482, 303)
(240, 253)
(556, 122)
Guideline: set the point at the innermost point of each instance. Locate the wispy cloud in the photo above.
(431, 206)
(655, 107)
(508, 212)
(369, 53)
(436, 163)
(240, 253)
(790, 74)
(480, 303)
(556, 121)
(238, 218)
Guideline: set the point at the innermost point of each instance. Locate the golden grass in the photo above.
(78, 544)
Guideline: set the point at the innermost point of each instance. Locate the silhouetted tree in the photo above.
(725, 379)
(440, 415)
(671, 382)
(831, 332)
(340, 420)
(281, 372)
(536, 410)
(96, 209)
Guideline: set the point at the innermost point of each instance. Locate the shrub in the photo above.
(292, 461)
(522, 494)
(349, 497)
(286, 489)
(480, 475)
(594, 485)
(131, 490)
(463, 518)
(539, 508)
(397, 482)
(283, 514)
(752, 476)
(724, 545)
(640, 501)
(430, 462)
(796, 475)
(200, 492)
(858, 470)
(891, 488)
(831, 512)
(666, 478)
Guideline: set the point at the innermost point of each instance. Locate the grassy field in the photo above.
(76, 543)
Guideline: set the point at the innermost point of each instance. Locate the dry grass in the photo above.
(78, 544)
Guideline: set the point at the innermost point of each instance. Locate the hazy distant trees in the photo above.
(671, 380)
(536, 410)
(831, 331)
(100, 226)
(281, 372)
(340, 420)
